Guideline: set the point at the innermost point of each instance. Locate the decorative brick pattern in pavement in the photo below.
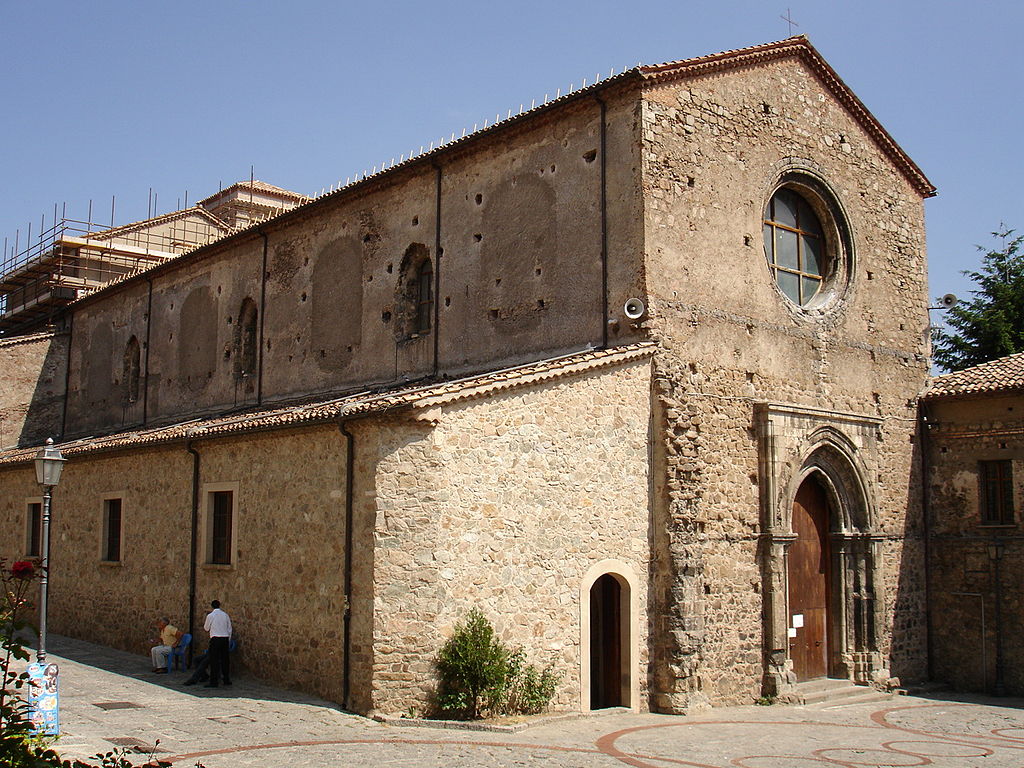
(109, 697)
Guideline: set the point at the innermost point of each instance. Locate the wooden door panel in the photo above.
(808, 583)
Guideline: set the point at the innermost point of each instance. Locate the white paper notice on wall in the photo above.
(798, 619)
(791, 632)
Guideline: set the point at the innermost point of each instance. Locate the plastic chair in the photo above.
(178, 652)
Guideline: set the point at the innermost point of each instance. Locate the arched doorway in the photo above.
(809, 566)
(606, 651)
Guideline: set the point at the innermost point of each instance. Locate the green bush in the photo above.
(480, 674)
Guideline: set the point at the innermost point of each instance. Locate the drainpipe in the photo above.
(192, 548)
(145, 379)
(346, 671)
(67, 375)
(263, 307)
(604, 224)
(923, 426)
(437, 271)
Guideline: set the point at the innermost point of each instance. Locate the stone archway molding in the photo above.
(840, 450)
(833, 457)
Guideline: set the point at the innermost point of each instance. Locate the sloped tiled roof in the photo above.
(350, 405)
(793, 47)
(1003, 375)
(163, 218)
(257, 186)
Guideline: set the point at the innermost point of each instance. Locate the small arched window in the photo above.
(246, 333)
(424, 296)
(130, 370)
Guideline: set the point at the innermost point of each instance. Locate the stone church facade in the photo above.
(634, 372)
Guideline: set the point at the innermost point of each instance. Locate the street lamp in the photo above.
(49, 463)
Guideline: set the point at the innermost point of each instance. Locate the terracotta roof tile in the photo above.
(350, 405)
(1002, 375)
(258, 186)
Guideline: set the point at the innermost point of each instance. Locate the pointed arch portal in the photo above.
(821, 550)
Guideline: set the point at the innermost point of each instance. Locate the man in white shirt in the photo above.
(218, 624)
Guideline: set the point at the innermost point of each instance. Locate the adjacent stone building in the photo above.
(634, 372)
(974, 429)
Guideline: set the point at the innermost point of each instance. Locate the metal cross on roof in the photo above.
(788, 18)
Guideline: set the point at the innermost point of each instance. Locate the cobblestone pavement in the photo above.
(109, 697)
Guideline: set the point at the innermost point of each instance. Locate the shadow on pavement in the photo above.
(138, 667)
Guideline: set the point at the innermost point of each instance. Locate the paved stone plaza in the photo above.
(109, 697)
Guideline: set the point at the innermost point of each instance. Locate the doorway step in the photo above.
(827, 690)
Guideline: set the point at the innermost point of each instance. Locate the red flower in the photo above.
(23, 569)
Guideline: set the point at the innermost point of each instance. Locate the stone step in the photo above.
(833, 691)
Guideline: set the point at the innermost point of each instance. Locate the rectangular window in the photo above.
(221, 513)
(996, 479)
(112, 530)
(34, 529)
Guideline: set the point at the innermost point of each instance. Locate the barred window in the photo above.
(221, 521)
(996, 480)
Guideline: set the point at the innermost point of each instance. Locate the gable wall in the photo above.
(731, 339)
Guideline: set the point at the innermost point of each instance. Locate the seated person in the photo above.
(169, 638)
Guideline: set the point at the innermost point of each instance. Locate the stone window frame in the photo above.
(209, 493)
(839, 252)
(104, 542)
(31, 551)
(1005, 516)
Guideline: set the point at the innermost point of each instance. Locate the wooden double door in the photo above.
(809, 576)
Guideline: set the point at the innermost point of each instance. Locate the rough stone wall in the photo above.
(714, 149)
(284, 590)
(100, 333)
(32, 395)
(113, 604)
(972, 566)
(503, 504)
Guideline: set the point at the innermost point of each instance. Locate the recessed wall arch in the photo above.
(131, 371)
(629, 614)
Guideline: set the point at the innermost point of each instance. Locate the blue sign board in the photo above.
(43, 699)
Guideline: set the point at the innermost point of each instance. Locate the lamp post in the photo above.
(49, 463)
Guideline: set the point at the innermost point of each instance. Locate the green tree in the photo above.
(991, 324)
(479, 674)
(472, 663)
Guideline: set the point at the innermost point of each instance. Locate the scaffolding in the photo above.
(73, 258)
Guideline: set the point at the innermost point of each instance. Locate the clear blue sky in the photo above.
(114, 98)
